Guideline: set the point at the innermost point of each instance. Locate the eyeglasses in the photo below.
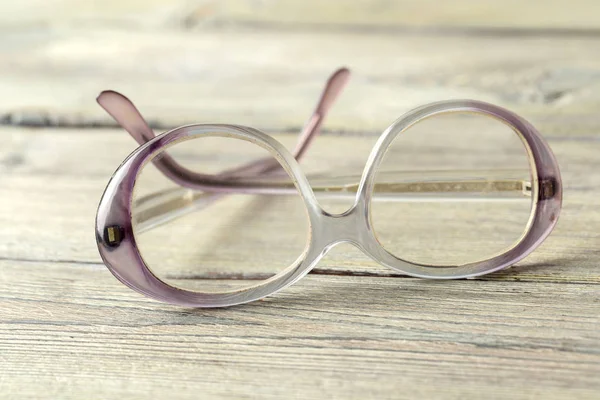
(229, 217)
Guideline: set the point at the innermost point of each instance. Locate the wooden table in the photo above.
(68, 329)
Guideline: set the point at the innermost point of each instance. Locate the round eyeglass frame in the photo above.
(354, 226)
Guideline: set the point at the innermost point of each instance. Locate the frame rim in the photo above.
(545, 210)
(127, 265)
(325, 230)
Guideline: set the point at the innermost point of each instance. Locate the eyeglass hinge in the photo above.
(113, 235)
(547, 189)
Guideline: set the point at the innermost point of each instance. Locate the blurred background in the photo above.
(263, 62)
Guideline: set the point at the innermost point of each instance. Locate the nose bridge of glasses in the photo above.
(349, 227)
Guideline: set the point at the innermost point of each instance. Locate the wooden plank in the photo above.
(258, 78)
(551, 15)
(77, 332)
(78, 166)
(353, 329)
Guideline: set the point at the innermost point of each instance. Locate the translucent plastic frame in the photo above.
(114, 227)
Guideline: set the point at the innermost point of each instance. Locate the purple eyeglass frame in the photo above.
(114, 227)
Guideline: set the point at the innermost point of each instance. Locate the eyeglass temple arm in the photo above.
(333, 88)
(127, 115)
(158, 208)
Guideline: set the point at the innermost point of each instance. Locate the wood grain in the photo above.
(351, 328)
(78, 333)
(256, 78)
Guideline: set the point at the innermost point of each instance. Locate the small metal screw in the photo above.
(113, 235)
(547, 189)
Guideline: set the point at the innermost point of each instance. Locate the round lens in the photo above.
(453, 189)
(206, 241)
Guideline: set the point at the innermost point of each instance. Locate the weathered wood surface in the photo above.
(52, 67)
(550, 15)
(262, 79)
(71, 331)
(352, 329)
(69, 326)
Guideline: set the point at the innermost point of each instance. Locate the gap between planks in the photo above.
(510, 274)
